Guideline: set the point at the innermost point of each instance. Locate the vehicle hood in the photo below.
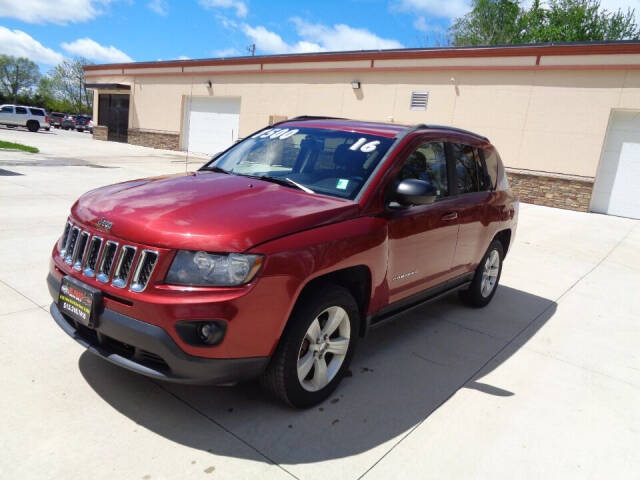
(207, 211)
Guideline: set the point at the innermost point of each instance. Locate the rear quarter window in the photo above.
(37, 111)
(491, 160)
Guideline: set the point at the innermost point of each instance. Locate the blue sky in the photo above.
(107, 31)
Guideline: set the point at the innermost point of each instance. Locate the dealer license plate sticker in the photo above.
(78, 301)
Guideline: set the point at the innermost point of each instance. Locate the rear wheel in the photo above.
(316, 348)
(33, 126)
(485, 281)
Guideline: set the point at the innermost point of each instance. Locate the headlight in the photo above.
(212, 269)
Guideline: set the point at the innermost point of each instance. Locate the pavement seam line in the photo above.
(516, 336)
(215, 422)
(19, 293)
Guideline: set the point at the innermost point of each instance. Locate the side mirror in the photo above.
(412, 191)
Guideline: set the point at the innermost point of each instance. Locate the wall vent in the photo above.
(419, 100)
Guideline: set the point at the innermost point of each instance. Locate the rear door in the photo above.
(422, 238)
(472, 187)
(20, 117)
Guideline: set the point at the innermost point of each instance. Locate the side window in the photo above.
(428, 162)
(21, 110)
(468, 168)
(37, 111)
(7, 109)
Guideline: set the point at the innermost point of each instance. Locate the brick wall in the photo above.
(552, 191)
(100, 133)
(147, 138)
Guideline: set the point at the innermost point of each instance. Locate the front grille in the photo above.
(123, 267)
(146, 264)
(97, 257)
(106, 262)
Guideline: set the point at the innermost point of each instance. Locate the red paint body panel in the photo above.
(302, 237)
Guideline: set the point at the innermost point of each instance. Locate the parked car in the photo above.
(55, 118)
(68, 123)
(83, 122)
(273, 258)
(33, 118)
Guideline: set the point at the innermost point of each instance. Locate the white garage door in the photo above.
(617, 187)
(211, 124)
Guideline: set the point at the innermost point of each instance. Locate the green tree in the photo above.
(66, 84)
(18, 75)
(492, 22)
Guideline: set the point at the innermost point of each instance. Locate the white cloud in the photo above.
(183, 57)
(239, 6)
(161, 7)
(47, 11)
(436, 8)
(227, 52)
(315, 37)
(21, 44)
(87, 48)
(342, 37)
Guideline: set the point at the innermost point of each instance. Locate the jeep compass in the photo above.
(272, 259)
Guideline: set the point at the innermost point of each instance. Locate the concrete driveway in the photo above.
(543, 383)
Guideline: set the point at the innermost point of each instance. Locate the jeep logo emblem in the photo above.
(104, 224)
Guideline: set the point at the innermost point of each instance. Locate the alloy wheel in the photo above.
(324, 348)
(490, 273)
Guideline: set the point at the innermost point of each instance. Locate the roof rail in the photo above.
(451, 129)
(314, 117)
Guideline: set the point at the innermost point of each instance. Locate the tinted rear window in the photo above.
(37, 111)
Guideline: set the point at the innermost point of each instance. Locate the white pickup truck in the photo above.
(33, 118)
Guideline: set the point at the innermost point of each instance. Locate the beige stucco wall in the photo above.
(544, 120)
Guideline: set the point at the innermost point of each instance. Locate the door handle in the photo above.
(449, 217)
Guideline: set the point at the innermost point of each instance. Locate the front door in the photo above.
(422, 238)
(113, 113)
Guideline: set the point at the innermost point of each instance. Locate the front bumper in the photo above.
(149, 350)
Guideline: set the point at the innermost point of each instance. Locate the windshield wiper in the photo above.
(213, 168)
(282, 181)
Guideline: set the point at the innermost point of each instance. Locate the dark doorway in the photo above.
(113, 113)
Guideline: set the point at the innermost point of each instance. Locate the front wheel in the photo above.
(316, 348)
(485, 281)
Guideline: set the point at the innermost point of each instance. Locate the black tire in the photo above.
(47, 128)
(33, 126)
(474, 296)
(81, 130)
(281, 376)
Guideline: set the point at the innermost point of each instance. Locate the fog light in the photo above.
(201, 333)
(210, 333)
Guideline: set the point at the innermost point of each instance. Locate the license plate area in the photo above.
(79, 301)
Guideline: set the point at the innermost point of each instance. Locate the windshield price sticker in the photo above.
(364, 146)
(279, 133)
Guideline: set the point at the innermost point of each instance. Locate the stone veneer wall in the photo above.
(571, 193)
(148, 138)
(100, 133)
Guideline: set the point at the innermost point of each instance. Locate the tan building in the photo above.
(565, 118)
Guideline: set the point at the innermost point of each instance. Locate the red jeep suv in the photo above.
(272, 259)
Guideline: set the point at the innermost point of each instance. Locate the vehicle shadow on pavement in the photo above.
(401, 373)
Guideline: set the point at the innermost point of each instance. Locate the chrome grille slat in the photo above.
(106, 261)
(81, 250)
(92, 256)
(71, 245)
(123, 266)
(144, 269)
(62, 246)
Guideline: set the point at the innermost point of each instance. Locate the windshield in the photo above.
(330, 162)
